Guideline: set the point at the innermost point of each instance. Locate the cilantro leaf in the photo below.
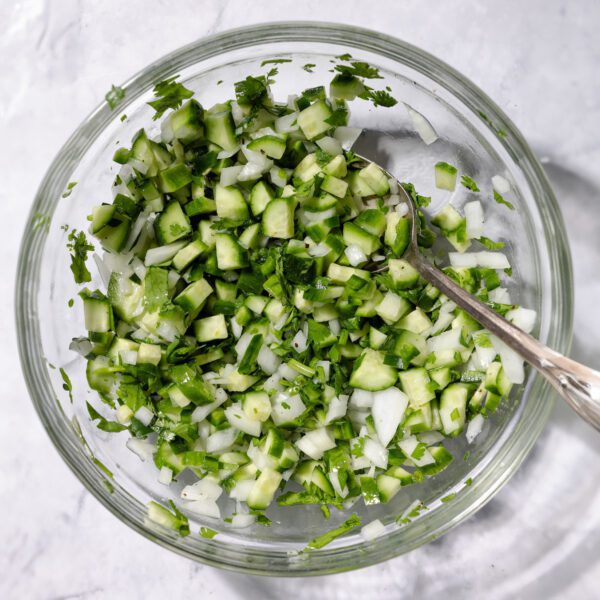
(41, 221)
(169, 94)
(114, 96)
(500, 200)
(67, 385)
(79, 247)
(208, 533)
(275, 61)
(469, 183)
(252, 91)
(358, 448)
(419, 451)
(103, 424)
(338, 118)
(359, 69)
(326, 538)
(69, 189)
(380, 98)
(490, 244)
(346, 56)
(308, 67)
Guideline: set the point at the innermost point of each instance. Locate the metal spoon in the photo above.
(578, 385)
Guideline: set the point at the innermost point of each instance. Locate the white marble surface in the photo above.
(540, 537)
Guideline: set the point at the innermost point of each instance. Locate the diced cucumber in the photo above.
(371, 373)
(271, 145)
(313, 120)
(220, 128)
(392, 308)
(278, 218)
(367, 242)
(260, 196)
(453, 406)
(375, 179)
(194, 296)
(333, 185)
(496, 380)
(445, 176)
(403, 273)
(211, 328)
(264, 489)
(346, 87)
(230, 253)
(417, 385)
(97, 311)
(372, 220)
(172, 224)
(397, 233)
(230, 203)
(174, 178)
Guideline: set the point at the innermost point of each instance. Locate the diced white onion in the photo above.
(144, 415)
(291, 101)
(206, 508)
(523, 318)
(238, 419)
(237, 113)
(103, 270)
(444, 320)
(267, 360)
(279, 176)
(315, 443)
(242, 521)
(143, 449)
(467, 260)
(394, 187)
(346, 136)
(157, 256)
(82, 346)
(220, 440)
(287, 372)
(286, 408)
(228, 153)
(128, 357)
(242, 490)
(512, 363)
(408, 445)
(500, 295)
(492, 260)
(388, 411)
(402, 209)
(474, 428)
(500, 184)
(337, 408)
(236, 328)
(242, 344)
(229, 175)
(355, 255)
(335, 482)
(362, 399)
(376, 453)
(449, 340)
(431, 437)
(319, 249)
(299, 342)
(165, 476)
(474, 217)
(372, 530)
(422, 126)
(204, 489)
(326, 367)
(335, 327)
(330, 145)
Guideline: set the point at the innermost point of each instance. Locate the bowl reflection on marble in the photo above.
(474, 135)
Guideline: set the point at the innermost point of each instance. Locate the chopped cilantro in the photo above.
(338, 118)
(252, 91)
(308, 67)
(103, 424)
(208, 533)
(419, 451)
(344, 57)
(263, 520)
(169, 94)
(41, 221)
(358, 448)
(490, 244)
(469, 183)
(359, 69)
(468, 482)
(70, 303)
(156, 288)
(275, 61)
(327, 538)
(67, 385)
(114, 96)
(449, 497)
(381, 98)
(79, 247)
(69, 189)
(123, 117)
(455, 415)
(500, 200)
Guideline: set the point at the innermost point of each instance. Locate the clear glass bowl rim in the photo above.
(512, 452)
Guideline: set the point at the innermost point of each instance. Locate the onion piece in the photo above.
(346, 136)
(376, 453)
(144, 415)
(474, 216)
(500, 184)
(221, 440)
(523, 318)
(512, 363)
(299, 342)
(206, 508)
(337, 408)
(355, 255)
(242, 521)
(229, 175)
(422, 126)
(287, 123)
(316, 442)
(474, 428)
(143, 449)
(161, 254)
(330, 145)
(388, 411)
(165, 476)
(228, 153)
(372, 530)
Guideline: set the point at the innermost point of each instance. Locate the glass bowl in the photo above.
(474, 135)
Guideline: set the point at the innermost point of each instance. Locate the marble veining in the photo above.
(539, 60)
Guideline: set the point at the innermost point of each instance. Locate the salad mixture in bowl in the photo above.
(250, 361)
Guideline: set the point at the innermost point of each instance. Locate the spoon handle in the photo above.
(577, 384)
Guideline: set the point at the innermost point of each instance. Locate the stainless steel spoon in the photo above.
(578, 385)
